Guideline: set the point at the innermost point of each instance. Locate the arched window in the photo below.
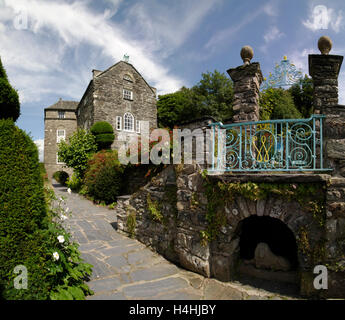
(128, 122)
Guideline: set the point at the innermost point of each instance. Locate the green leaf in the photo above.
(77, 293)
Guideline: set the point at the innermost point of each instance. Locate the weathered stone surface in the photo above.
(265, 258)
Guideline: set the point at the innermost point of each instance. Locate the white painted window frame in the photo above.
(61, 114)
(59, 137)
(118, 123)
(132, 121)
(127, 94)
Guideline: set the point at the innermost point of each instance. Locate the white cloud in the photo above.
(40, 145)
(272, 34)
(57, 28)
(323, 18)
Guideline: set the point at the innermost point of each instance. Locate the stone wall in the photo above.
(51, 124)
(187, 234)
(104, 101)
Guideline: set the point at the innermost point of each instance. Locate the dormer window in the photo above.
(127, 77)
(127, 94)
(61, 114)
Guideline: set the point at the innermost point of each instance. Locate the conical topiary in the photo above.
(9, 99)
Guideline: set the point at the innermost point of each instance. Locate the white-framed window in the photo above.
(58, 161)
(61, 135)
(127, 94)
(61, 114)
(119, 123)
(128, 120)
(127, 77)
(137, 126)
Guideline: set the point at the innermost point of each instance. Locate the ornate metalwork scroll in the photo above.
(273, 145)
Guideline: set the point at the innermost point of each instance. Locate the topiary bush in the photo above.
(61, 177)
(22, 212)
(9, 99)
(104, 176)
(29, 233)
(104, 134)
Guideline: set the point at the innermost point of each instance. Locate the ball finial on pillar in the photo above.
(247, 54)
(325, 44)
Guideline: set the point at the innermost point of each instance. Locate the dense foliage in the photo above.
(28, 228)
(302, 94)
(9, 100)
(104, 134)
(77, 152)
(212, 96)
(104, 176)
(277, 103)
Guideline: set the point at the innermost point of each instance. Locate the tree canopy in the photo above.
(212, 96)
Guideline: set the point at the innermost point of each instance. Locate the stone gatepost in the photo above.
(324, 69)
(247, 80)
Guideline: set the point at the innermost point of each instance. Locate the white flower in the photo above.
(56, 256)
(69, 190)
(61, 239)
(63, 217)
(67, 209)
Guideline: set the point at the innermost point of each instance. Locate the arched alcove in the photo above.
(275, 233)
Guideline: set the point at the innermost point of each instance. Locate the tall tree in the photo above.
(212, 96)
(277, 103)
(302, 94)
(9, 99)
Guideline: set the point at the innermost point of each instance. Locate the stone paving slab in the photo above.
(124, 268)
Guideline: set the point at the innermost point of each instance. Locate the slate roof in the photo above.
(63, 105)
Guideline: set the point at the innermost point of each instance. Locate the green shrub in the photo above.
(28, 228)
(22, 213)
(104, 134)
(9, 100)
(104, 176)
(77, 152)
(74, 183)
(61, 177)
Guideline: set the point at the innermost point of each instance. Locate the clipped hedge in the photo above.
(9, 99)
(22, 214)
(104, 176)
(104, 134)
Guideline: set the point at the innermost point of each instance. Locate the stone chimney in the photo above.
(247, 80)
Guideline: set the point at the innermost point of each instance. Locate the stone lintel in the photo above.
(271, 178)
(324, 64)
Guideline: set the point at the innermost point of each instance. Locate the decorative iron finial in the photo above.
(125, 57)
(325, 44)
(285, 75)
(247, 54)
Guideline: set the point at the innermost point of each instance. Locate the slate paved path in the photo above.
(126, 269)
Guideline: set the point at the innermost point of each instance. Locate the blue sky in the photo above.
(49, 48)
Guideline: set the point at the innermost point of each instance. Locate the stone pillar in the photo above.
(324, 69)
(247, 79)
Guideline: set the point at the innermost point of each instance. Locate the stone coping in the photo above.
(274, 177)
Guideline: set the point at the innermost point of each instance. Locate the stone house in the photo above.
(118, 95)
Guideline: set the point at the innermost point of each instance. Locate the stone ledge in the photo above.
(283, 178)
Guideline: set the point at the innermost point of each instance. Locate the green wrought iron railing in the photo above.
(273, 145)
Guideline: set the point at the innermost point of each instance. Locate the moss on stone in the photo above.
(154, 209)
